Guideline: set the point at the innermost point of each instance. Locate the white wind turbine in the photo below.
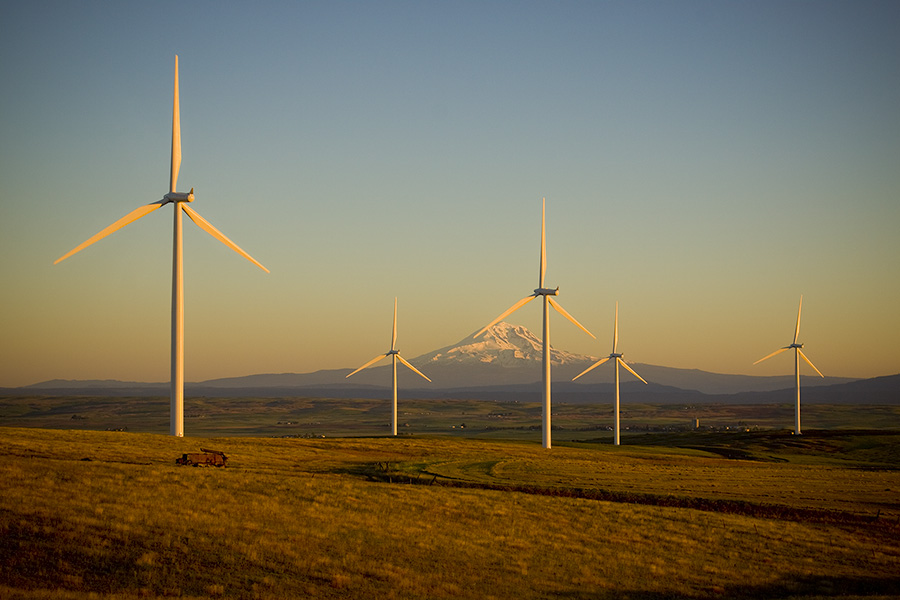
(395, 356)
(797, 354)
(546, 294)
(180, 201)
(618, 358)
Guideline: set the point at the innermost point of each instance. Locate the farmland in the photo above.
(342, 417)
(670, 514)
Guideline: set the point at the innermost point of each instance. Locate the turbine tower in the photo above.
(395, 356)
(547, 295)
(618, 358)
(797, 354)
(180, 200)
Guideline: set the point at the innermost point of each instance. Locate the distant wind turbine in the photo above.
(395, 356)
(618, 361)
(797, 354)
(180, 201)
(546, 294)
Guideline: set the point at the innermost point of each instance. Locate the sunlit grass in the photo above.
(296, 518)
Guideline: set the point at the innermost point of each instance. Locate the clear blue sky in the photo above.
(704, 164)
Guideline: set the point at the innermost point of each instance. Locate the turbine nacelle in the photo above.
(798, 354)
(180, 200)
(546, 292)
(179, 197)
(548, 302)
(616, 358)
(392, 352)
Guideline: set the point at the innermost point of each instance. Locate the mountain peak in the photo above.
(504, 345)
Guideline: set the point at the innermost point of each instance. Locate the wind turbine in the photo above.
(546, 294)
(395, 356)
(180, 200)
(618, 358)
(797, 354)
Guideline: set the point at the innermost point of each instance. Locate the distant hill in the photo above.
(504, 363)
(878, 390)
(510, 355)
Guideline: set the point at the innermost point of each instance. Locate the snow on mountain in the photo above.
(502, 345)
(504, 355)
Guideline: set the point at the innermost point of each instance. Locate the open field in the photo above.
(95, 514)
(341, 417)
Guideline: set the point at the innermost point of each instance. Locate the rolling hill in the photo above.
(504, 364)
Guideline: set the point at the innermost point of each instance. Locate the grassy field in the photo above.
(108, 515)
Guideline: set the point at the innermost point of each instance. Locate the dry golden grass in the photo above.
(687, 474)
(297, 518)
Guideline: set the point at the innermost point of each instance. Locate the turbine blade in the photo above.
(208, 228)
(371, 362)
(543, 244)
(130, 217)
(507, 312)
(797, 330)
(779, 351)
(563, 312)
(616, 330)
(810, 362)
(394, 334)
(630, 370)
(404, 361)
(176, 136)
(592, 367)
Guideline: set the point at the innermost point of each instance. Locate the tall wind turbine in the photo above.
(618, 361)
(395, 356)
(180, 201)
(546, 294)
(797, 354)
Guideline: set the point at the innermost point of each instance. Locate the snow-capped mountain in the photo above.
(505, 357)
(504, 345)
(510, 355)
(504, 354)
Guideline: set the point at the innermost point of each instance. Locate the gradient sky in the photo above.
(704, 164)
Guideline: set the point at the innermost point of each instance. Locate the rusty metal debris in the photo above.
(204, 458)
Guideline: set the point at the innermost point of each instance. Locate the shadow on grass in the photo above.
(856, 448)
(817, 587)
(46, 552)
(794, 588)
(43, 552)
(386, 472)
